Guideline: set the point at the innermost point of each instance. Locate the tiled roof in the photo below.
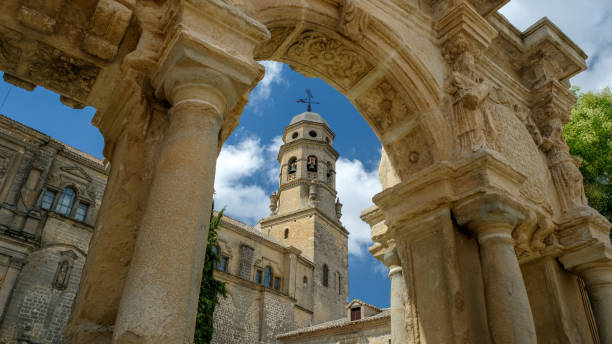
(364, 304)
(386, 313)
(245, 227)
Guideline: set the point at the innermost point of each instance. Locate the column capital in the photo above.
(595, 260)
(490, 215)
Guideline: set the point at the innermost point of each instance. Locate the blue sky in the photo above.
(247, 168)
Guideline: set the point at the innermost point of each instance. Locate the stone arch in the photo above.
(376, 69)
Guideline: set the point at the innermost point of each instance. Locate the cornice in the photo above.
(276, 219)
(317, 124)
(306, 181)
(305, 142)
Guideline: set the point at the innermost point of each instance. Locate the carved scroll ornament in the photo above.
(353, 20)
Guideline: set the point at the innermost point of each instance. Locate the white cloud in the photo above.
(248, 168)
(587, 23)
(356, 186)
(237, 163)
(263, 90)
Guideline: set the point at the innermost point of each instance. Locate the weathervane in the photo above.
(308, 100)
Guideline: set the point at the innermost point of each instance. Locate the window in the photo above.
(339, 283)
(81, 211)
(223, 263)
(286, 233)
(305, 282)
(294, 135)
(355, 313)
(215, 251)
(292, 166)
(312, 133)
(47, 200)
(312, 163)
(276, 283)
(330, 169)
(325, 275)
(327, 140)
(268, 276)
(258, 275)
(64, 205)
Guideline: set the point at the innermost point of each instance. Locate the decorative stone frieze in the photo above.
(108, 26)
(328, 56)
(353, 20)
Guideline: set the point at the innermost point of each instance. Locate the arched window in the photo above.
(311, 163)
(330, 169)
(66, 200)
(292, 166)
(268, 276)
(325, 275)
(286, 233)
(339, 283)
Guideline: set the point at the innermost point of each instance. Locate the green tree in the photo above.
(210, 289)
(589, 136)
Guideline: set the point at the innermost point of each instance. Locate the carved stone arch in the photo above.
(379, 72)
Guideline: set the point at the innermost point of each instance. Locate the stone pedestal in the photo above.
(493, 217)
(594, 265)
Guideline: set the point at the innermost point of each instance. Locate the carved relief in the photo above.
(353, 20)
(329, 57)
(40, 15)
(10, 52)
(469, 93)
(63, 270)
(563, 166)
(273, 203)
(412, 152)
(63, 73)
(382, 106)
(108, 26)
(278, 36)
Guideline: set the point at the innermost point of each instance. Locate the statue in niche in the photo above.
(62, 275)
(313, 199)
(563, 166)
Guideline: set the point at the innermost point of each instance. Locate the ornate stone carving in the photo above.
(13, 80)
(338, 208)
(328, 56)
(63, 271)
(54, 69)
(469, 93)
(40, 15)
(563, 166)
(10, 52)
(108, 26)
(278, 36)
(383, 107)
(412, 152)
(353, 20)
(273, 203)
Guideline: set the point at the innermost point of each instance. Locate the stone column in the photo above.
(10, 279)
(493, 217)
(397, 306)
(160, 297)
(594, 265)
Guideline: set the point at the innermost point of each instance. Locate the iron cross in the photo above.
(308, 100)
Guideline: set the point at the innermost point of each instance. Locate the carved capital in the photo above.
(593, 263)
(490, 215)
(107, 28)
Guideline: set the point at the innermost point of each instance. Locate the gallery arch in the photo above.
(467, 108)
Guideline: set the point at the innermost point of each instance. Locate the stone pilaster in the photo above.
(10, 279)
(493, 217)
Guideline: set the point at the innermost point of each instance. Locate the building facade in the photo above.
(50, 194)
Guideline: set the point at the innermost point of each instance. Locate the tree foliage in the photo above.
(589, 136)
(210, 289)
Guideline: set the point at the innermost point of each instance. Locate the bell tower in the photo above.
(305, 213)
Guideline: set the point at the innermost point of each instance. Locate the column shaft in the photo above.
(598, 282)
(159, 301)
(508, 309)
(398, 290)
